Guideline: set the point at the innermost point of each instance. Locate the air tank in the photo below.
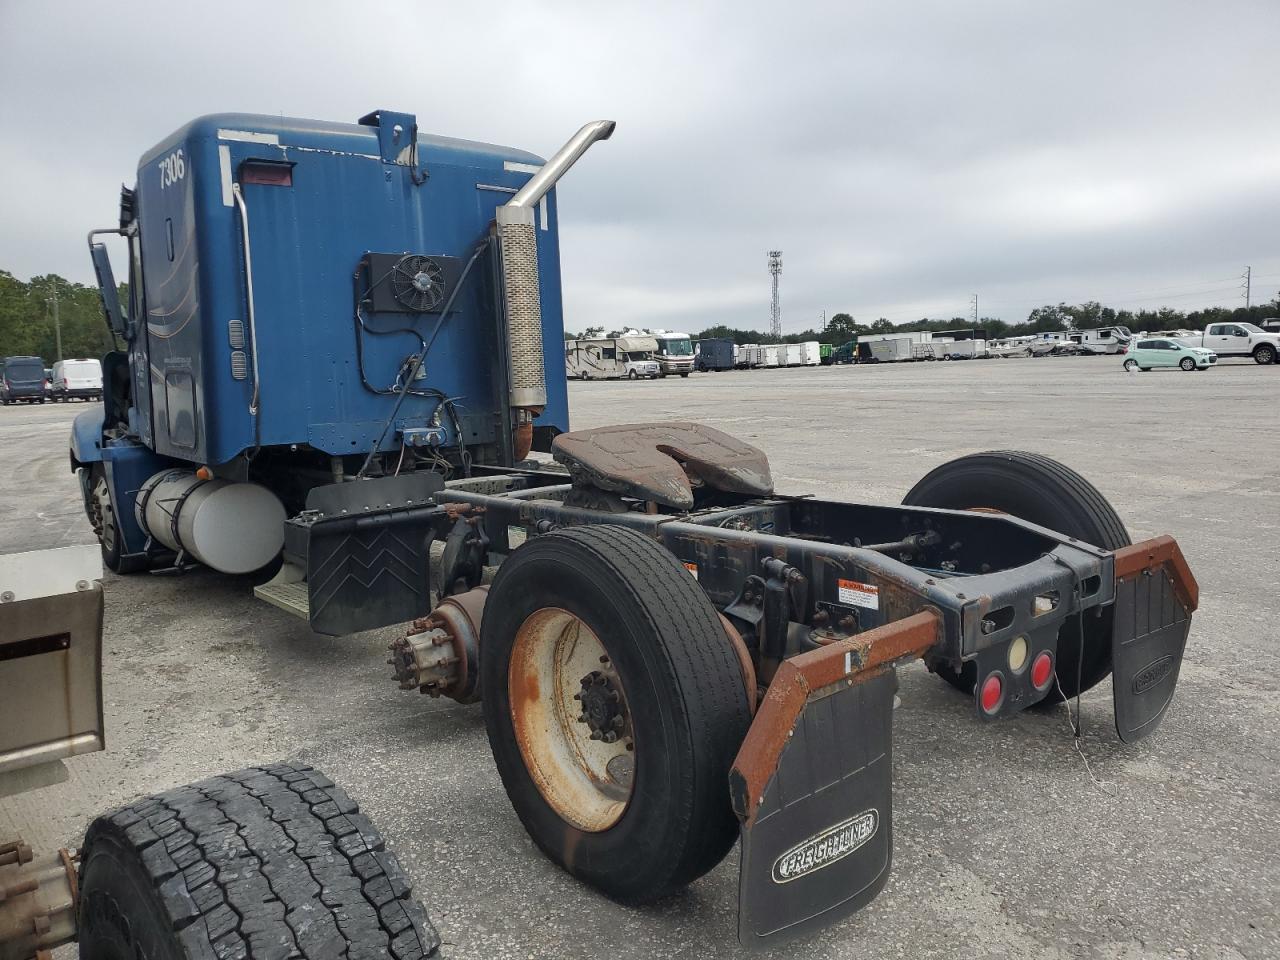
(227, 526)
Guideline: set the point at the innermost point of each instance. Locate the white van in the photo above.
(76, 379)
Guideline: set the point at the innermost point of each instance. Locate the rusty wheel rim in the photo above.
(588, 780)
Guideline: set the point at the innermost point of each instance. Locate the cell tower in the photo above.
(775, 313)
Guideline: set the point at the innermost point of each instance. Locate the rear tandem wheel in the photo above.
(1035, 488)
(615, 704)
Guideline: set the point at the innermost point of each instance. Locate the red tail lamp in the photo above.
(1041, 670)
(993, 692)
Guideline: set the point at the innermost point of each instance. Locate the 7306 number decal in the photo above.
(172, 169)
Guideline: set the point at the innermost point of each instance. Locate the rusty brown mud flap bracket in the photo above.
(812, 784)
(1155, 597)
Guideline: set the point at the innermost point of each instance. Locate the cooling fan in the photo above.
(408, 282)
(417, 283)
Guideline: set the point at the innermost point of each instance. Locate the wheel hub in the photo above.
(601, 707)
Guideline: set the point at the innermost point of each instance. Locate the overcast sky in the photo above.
(903, 156)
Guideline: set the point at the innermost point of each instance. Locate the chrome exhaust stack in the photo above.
(518, 253)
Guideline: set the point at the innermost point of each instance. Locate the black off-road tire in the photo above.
(685, 693)
(267, 863)
(1035, 488)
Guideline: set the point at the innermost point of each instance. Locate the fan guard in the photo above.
(417, 283)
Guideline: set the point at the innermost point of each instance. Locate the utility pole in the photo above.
(1248, 284)
(57, 325)
(775, 314)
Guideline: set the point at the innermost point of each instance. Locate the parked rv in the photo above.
(674, 352)
(76, 380)
(1101, 340)
(1237, 340)
(22, 379)
(612, 358)
(713, 354)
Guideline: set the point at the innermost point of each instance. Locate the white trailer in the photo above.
(770, 356)
(957, 349)
(809, 352)
(794, 354)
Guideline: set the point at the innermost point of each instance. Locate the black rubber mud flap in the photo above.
(368, 555)
(812, 784)
(1155, 597)
(820, 845)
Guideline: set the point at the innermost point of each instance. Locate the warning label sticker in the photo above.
(692, 568)
(866, 595)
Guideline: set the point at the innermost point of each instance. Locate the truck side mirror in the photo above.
(107, 289)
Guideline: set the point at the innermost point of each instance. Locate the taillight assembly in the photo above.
(992, 694)
(1041, 670)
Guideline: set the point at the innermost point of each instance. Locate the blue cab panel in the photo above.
(319, 197)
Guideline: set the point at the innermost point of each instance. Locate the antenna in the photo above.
(973, 302)
(775, 313)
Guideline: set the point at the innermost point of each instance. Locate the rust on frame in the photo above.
(854, 660)
(1159, 552)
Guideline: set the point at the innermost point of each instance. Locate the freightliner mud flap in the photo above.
(812, 784)
(1155, 597)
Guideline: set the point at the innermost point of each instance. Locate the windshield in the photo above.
(679, 347)
(1251, 327)
(24, 370)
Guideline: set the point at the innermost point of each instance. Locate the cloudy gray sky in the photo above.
(904, 156)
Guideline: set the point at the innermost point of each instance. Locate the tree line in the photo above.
(27, 318)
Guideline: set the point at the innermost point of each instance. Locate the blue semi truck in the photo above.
(341, 344)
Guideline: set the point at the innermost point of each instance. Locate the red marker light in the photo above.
(1041, 670)
(992, 692)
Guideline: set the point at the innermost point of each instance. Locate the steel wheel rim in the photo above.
(587, 782)
(107, 520)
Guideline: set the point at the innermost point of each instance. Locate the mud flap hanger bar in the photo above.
(812, 784)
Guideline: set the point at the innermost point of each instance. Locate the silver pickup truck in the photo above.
(1237, 340)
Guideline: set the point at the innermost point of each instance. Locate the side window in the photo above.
(1104, 335)
(1217, 330)
(1145, 344)
(609, 353)
(1237, 331)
